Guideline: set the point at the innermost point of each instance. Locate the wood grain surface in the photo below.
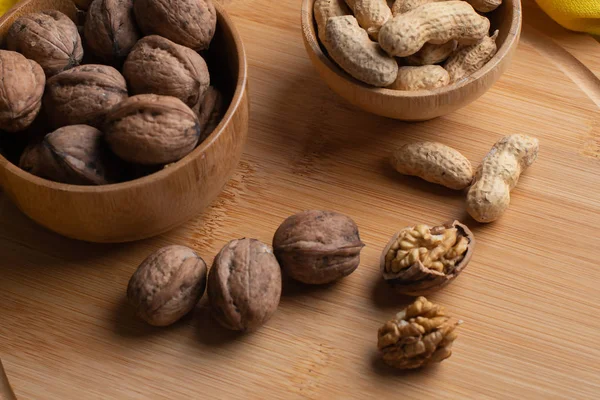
(529, 297)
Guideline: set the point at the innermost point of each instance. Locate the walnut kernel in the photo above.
(421, 259)
(419, 335)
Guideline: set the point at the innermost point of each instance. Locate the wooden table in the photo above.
(529, 298)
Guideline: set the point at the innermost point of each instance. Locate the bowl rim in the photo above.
(310, 35)
(164, 173)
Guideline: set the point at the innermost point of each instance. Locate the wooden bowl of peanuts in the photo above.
(411, 60)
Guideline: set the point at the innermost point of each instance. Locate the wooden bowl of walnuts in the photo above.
(117, 125)
(411, 60)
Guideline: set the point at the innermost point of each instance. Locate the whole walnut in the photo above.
(21, 89)
(83, 95)
(167, 285)
(210, 111)
(110, 30)
(318, 247)
(37, 160)
(190, 23)
(244, 285)
(158, 65)
(151, 129)
(74, 154)
(48, 37)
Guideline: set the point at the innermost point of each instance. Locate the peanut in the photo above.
(349, 46)
(421, 78)
(469, 59)
(437, 23)
(432, 53)
(498, 174)
(404, 6)
(434, 162)
(325, 9)
(485, 5)
(370, 14)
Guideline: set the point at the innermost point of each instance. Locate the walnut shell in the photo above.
(244, 285)
(83, 154)
(83, 95)
(167, 285)
(318, 247)
(417, 279)
(21, 89)
(37, 160)
(160, 66)
(110, 30)
(210, 111)
(190, 23)
(151, 129)
(48, 37)
(74, 154)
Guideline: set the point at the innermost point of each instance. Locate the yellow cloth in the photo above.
(5, 5)
(576, 15)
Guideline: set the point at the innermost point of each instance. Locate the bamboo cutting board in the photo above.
(529, 297)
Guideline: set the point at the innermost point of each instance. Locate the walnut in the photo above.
(83, 95)
(74, 154)
(167, 285)
(157, 65)
(49, 37)
(318, 247)
(210, 111)
(419, 335)
(152, 129)
(110, 30)
(420, 260)
(37, 160)
(190, 23)
(244, 285)
(21, 89)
